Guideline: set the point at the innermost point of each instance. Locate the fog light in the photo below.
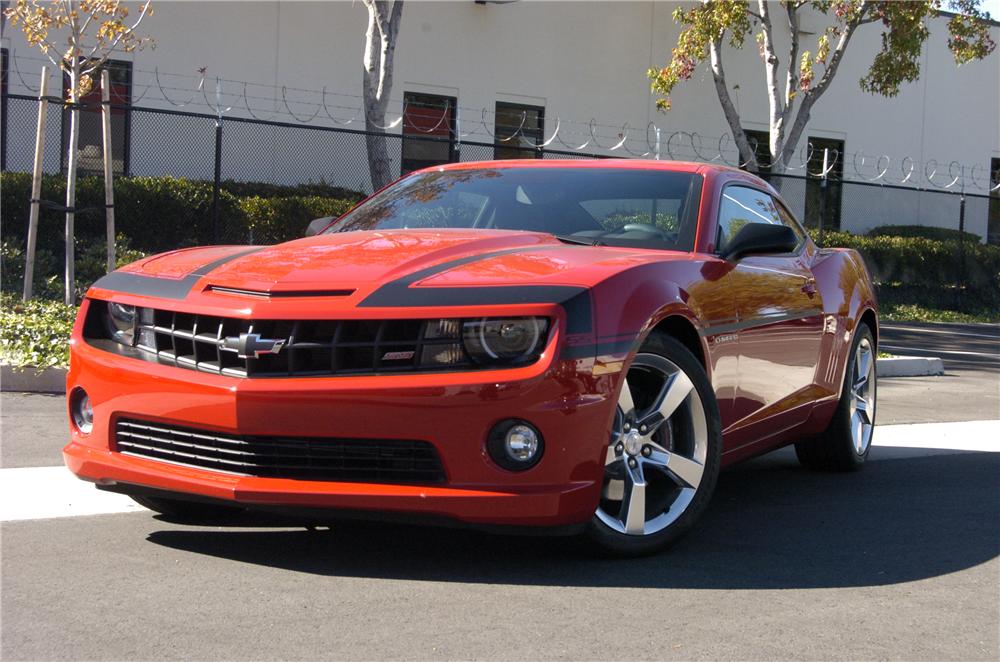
(515, 445)
(81, 411)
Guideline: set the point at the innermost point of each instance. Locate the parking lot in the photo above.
(898, 561)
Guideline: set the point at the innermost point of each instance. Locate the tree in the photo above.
(795, 85)
(380, 46)
(46, 24)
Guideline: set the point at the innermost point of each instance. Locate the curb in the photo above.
(29, 380)
(910, 366)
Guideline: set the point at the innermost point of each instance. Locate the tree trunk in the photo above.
(71, 161)
(747, 156)
(378, 152)
(380, 46)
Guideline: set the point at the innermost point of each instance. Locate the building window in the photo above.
(824, 202)
(760, 144)
(91, 142)
(428, 130)
(518, 131)
(993, 224)
(3, 110)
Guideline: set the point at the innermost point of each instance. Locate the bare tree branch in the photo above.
(792, 80)
(814, 93)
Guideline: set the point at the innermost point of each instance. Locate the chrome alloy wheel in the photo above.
(659, 445)
(862, 404)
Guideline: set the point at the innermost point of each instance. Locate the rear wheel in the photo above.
(845, 444)
(192, 512)
(663, 460)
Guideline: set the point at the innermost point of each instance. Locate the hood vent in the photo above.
(261, 294)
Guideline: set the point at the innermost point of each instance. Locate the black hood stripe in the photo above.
(400, 293)
(164, 288)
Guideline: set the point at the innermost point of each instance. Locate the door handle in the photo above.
(810, 287)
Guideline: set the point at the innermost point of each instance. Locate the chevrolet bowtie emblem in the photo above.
(252, 346)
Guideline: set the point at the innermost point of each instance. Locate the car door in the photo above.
(779, 316)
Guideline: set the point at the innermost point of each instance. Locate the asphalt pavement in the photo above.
(899, 561)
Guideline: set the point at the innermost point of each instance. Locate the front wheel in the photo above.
(663, 460)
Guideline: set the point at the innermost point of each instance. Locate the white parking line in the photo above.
(49, 492)
(981, 436)
(46, 492)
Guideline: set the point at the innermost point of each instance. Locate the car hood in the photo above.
(364, 261)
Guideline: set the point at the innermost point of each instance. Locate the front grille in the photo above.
(311, 347)
(340, 460)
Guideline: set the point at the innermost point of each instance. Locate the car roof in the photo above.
(632, 164)
(711, 170)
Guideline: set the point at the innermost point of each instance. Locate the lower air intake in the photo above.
(326, 459)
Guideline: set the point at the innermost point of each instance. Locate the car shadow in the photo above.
(771, 525)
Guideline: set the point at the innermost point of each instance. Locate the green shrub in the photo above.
(35, 333)
(274, 220)
(927, 232)
(156, 213)
(264, 190)
(48, 278)
(945, 274)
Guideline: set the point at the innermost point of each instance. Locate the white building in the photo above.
(566, 74)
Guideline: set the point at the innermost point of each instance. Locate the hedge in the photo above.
(927, 271)
(274, 220)
(164, 213)
(925, 231)
(153, 214)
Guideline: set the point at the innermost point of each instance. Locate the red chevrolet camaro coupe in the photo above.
(574, 346)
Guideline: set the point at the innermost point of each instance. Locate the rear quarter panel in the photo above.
(848, 295)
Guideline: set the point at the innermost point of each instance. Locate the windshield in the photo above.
(600, 206)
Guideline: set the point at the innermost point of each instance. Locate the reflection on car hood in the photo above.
(361, 260)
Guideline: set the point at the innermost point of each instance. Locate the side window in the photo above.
(741, 205)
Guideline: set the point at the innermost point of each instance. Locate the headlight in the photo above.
(486, 341)
(504, 340)
(121, 323)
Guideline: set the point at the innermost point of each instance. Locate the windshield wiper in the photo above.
(582, 241)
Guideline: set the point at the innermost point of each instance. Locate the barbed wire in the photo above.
(180, 91)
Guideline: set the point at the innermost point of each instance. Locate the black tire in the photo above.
(836, 448)
(188, 512)
(617, 543)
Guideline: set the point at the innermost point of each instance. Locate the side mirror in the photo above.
(318, 225)
(760, 239)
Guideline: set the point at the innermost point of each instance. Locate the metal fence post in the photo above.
(457, 155)
(824, 191)
(217, 182)
(961, 246)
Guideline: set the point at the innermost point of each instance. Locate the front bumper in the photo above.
(571, 407)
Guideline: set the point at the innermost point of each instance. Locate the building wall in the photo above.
(578, 60)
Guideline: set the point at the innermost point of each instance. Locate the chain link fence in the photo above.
(198, 146)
